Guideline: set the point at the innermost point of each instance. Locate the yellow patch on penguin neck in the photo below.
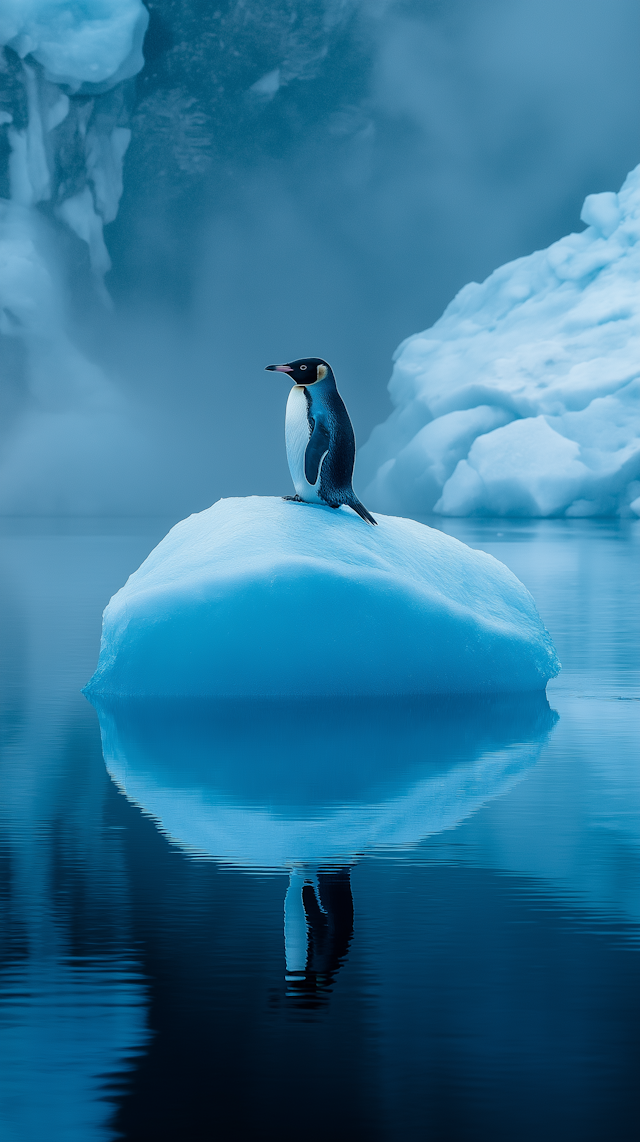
(321, 372)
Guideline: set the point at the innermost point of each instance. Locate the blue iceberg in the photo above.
(258, 597)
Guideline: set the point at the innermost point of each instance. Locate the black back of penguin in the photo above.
(327, 410)
(330, 447)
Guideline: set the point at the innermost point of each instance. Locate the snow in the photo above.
(261, 597)
(524, 398)
(273, 785)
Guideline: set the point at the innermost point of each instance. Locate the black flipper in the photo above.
(316, 448)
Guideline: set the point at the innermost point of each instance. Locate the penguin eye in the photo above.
(302, 367)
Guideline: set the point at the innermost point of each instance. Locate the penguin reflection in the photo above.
(318, 929)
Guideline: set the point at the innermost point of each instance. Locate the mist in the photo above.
(304, 178)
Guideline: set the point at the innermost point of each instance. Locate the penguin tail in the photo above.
(362, 511)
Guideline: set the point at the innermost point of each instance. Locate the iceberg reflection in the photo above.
(307, 788)
(273, 785)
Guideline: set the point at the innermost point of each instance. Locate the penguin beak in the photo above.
(278, 369)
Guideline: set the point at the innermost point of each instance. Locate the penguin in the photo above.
(321, 445)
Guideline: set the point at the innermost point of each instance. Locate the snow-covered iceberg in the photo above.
(259, 597)
(524, 398)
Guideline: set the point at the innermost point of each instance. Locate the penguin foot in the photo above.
(294, 499)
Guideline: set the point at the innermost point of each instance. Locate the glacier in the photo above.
(65, 149)
(524, 398)
(65, 70)
(259, 597)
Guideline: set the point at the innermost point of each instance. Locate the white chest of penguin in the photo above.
(297, 432)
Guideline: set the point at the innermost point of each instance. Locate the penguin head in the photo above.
(305, 372)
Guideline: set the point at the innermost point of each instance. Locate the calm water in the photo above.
(388, 922)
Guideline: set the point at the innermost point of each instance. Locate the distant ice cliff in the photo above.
(524, 398)
(63, 117)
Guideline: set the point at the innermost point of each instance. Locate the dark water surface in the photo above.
(387, 922)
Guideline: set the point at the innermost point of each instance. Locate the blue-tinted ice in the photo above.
(262, 598)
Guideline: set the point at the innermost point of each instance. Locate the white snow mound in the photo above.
(524, 398)
(262, 597)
